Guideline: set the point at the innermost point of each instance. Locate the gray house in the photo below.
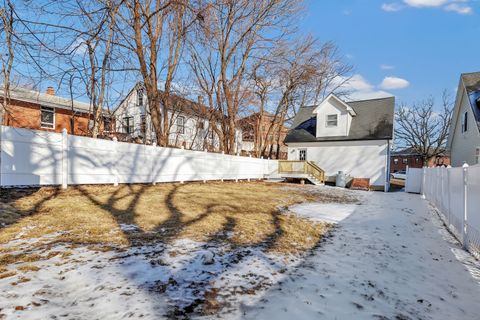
(464, 138)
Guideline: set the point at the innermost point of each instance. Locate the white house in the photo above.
(190, 122)
(353, 137)
(464, 138)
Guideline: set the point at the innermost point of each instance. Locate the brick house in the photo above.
(274, 141)
(45, 111)
(399, 160)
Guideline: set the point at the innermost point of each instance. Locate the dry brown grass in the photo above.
(242, 214)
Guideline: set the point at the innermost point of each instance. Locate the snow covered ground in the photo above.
(388, 258)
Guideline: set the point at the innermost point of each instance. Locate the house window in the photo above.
(332, 120)
(107, 124)
(143, 124)
(417, 160)
(140, 97)
(47, 117)
(405, 161)
(181, 124)
(477, 155)
(465, 122)
(128, 125)
(302, 155)
(395, 161)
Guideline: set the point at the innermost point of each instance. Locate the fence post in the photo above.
(424, 172)
(64, 158)
(114, 161)
(465, 198)
(153, 157)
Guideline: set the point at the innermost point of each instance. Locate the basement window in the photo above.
(332, 120)
(47, 117)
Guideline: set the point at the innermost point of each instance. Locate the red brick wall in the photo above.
(27, 115)
(412, 162)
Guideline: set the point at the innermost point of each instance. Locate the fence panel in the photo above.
(30, 157)
(454, 192)
(413, 183)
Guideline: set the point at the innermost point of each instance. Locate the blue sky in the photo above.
(426, 43)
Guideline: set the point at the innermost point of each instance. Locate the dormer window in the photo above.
(332, 120)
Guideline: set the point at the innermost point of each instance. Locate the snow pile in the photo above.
(324, 212)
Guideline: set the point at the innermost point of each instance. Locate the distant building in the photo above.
(464, 138)
(273, 140)
(191, 123)
(45, 111)
(399, 160)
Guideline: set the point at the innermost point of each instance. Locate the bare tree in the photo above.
(424, 129)
(231, 35)
(292, 74)
(155, 32)
(6, 29)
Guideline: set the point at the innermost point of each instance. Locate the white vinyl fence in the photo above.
(32, 158)
(455, 192)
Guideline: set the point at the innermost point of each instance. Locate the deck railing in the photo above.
(301, 167)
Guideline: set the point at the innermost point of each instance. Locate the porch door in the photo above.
(302, 154)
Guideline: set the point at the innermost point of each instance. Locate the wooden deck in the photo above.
(298, 169)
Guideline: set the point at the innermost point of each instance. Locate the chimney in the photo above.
(51, 91)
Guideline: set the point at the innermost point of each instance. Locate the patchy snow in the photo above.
(326, 212)
(388, 258)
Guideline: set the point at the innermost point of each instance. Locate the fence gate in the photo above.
(413, 184)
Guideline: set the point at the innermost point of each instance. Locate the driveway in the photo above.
(390, 259)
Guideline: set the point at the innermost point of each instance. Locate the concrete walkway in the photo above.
(390, 259)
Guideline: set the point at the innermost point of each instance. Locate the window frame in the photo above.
(405, 161)
(328, 120)
(180, 127)
(140, 98)
(395, 160)
(42, 123)
(465, 122)
(127, 125)
(304, 152)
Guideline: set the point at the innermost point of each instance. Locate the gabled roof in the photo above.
(469, 85)
(334, 97)
(373, 121)
(178, 104)
(47, 100)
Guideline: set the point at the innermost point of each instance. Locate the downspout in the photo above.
(387, 174)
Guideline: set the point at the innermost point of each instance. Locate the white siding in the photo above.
(331, 107)
(359, 159)
(193, 137)
(464, 144)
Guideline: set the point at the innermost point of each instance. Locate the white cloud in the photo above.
(425, 3)
(392, 83)
(360, 89)
(459, 8)
(392, 7)
(387, 67)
